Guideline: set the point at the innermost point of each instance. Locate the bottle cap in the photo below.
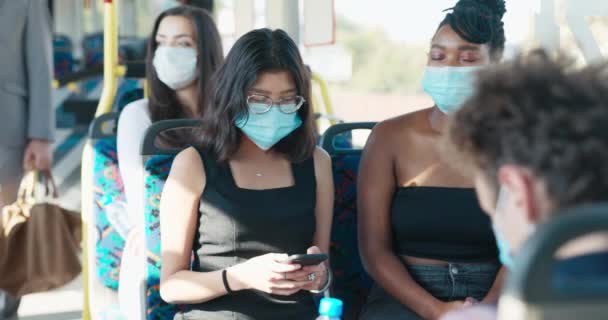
(330, 307)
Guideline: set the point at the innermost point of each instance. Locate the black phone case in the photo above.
(308, 259)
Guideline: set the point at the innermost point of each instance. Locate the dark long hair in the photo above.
(258, 51)
(163, 102)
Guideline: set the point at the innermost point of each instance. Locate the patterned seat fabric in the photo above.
(157, 170)
(351, 282)
(92, 46)
(63, 58)
(108, 188)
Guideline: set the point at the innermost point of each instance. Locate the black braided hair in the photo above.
(480, 22)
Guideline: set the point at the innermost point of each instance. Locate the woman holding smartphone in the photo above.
(255, 191)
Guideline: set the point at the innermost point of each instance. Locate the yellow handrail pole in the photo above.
(110, 74)
(86, 199)
(325, 96)
(110, 57)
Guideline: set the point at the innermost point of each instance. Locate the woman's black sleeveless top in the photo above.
(237, 224)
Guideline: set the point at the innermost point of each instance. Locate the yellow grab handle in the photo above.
(329, 110)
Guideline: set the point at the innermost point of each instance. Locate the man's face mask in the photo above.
(506, 227)
(504, 248)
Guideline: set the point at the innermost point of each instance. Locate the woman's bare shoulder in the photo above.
(399, 130)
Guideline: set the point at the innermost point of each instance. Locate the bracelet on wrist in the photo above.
(225, 280)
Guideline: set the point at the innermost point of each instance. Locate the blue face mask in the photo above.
(449, 87)
(267, 129)
(504, 249)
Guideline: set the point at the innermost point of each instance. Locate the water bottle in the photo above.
(330, 309)
(116, 212)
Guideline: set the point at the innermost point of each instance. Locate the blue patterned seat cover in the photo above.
(351, 282)
(157, 170)
(108, 188)
(63, 58)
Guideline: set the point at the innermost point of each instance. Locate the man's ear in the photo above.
(519, 183)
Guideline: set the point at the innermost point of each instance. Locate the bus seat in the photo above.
(531, 292)
(351, 282)
(92, 46)
(108, 188)
(130, 48)
(130, 92)
(98, 273)
(157, 168)
(63, 57)
(134, 48)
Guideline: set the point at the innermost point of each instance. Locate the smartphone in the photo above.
(307, 259)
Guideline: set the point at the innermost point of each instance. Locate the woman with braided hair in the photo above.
(423, 237)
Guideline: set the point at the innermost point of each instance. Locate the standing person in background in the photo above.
(27, 118)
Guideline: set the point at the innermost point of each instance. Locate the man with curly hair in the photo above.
(535, 139)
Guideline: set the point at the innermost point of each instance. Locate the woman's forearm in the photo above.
(189, 287)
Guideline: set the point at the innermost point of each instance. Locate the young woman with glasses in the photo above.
(255, 191)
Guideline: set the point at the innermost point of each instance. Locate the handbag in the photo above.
(39, 240)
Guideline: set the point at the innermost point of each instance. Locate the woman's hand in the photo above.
(446, 307)
(268, 273)
(315, 275)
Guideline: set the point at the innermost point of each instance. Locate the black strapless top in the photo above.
(441, 223)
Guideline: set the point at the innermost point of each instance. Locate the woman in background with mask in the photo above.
(256, 190)
(423, 237)
(184, 50)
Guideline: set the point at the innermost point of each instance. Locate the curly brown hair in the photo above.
(546, 115)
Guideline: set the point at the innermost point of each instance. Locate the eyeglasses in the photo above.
(261, 104)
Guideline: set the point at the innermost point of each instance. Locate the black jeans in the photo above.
(446, 283)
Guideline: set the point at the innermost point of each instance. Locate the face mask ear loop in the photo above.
(504, 249)
(500, 201)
